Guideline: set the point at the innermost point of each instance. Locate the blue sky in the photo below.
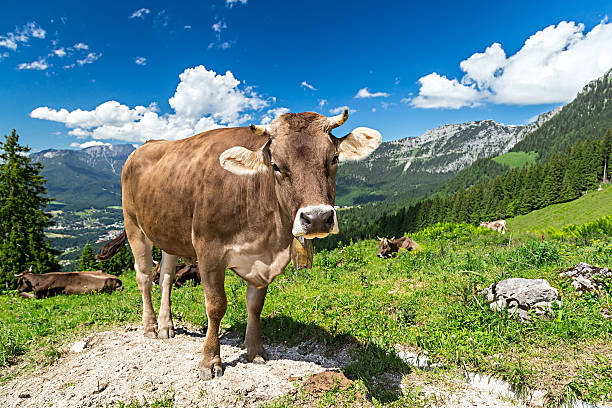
(74, 72)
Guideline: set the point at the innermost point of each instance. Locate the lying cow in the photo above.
(499, 225)
(69, 283)
(390, 247)
(184, 273)
(232, 198)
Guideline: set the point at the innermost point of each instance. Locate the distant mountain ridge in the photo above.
(85, 178)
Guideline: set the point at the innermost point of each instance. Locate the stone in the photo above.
(588, 278)
(519, 296)
(78, 346)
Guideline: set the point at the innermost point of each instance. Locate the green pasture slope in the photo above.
(589, 207)
(427, 300)
(516, 159)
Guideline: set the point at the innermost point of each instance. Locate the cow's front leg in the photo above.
(254, 301)
(165, 326)
(216, 305)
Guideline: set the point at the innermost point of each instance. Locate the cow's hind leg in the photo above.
(141, 248)
(254, 301)
(167, 270)
(216, 305)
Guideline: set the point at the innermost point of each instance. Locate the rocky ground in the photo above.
(123, 366)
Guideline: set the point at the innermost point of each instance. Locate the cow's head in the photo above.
(302, 158)
(387, 247)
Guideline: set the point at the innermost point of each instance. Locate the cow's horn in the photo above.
(337, 120)
(260, 130)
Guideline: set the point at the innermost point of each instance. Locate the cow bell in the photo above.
(301, 253)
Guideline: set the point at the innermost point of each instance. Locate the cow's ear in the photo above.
(242, 161)
(358, 144)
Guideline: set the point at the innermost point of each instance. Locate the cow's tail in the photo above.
(112, 247)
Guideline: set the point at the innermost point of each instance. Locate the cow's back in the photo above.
(165, 184)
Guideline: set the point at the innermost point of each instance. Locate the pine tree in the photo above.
(606, 150)
(22, 219)
(88, 261)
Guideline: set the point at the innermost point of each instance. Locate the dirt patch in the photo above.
(122, 365)
(325, 381)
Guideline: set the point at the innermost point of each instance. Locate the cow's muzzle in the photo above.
(315, 221)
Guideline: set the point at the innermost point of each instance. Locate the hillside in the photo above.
(589, 207)
(84, 178)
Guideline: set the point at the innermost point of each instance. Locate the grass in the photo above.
(427, 300)
(589, 207)
(516, 159)
(115, 207)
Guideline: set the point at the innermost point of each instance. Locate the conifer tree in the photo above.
(22, 219)
(606, 150)
(88, 261)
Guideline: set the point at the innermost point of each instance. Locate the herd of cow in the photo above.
(248, 199)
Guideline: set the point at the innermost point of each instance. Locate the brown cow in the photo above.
(499, 225)
(184, 273)
(234, 199)
(69, 283)
(390, 247)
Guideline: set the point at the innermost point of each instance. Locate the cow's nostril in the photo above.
(305, 219)
(330, 220)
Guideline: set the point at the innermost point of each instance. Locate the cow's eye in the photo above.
(334, 160)
(275, 167)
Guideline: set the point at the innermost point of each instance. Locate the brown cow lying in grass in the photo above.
(184, 273)
(499, 225)
(390, 247)
(69, 283)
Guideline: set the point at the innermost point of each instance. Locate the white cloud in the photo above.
(89, 144)
(231, 3)
(272, 114)
(39, 65)
(552, 66)
(340, 109)
(203, 100)
(219, 26)
(3, 55)
(89, 59)
(140, 13)
(440, 92)
(12, 39)
(140, 61)
(187, 27)
(80, 46)
(365, 93)
(305, 84)
(322, 103)
(60, 52)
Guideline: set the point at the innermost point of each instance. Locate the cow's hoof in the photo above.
(166, 333)
(151, 334)
(258, 357)
(259, 360)
(208, 373)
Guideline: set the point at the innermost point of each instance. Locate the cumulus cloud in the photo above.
(60, 52)
(440, 92)
(365, 93)
(305, 84)
(140, 13)
(89, 144)
(80, 46)
(140, 61)
(340, 109)
(203, 100)
(39, 65)
(551, 67)
(272, 114)
(22, 35)
(89, 59)
(231, 3)
(3, 55)
(322, 103)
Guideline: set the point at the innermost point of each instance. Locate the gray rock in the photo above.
(588, 278)
(520, 295)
